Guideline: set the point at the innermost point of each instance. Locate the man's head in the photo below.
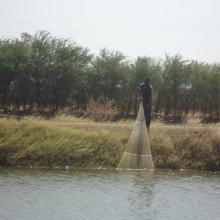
(147, 81)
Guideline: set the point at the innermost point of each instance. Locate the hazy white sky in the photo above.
(135, 27)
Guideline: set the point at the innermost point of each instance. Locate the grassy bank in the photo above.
(40, 143)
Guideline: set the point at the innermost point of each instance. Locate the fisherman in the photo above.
(145, 91)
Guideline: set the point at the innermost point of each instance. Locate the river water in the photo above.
(63, 195)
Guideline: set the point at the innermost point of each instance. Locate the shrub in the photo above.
(102, 109)
(195, 150)
(163, 151)
(214, 161)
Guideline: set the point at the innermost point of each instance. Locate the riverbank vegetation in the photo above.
(43, 74)
(45, 143)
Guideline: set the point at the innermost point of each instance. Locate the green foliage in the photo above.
(41, 73)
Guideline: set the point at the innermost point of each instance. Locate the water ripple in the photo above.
(34, 194)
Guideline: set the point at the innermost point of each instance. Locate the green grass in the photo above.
(41, 143)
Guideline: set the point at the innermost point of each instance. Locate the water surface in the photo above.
(61, 195)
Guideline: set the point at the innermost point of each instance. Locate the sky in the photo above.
(135, 27)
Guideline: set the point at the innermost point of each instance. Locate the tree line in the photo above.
(41, 73)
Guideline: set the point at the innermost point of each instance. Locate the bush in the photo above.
(102, 109)
(195, 150)
(214, 162)
(163, 151)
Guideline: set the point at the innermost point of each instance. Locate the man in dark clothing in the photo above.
(145, 91)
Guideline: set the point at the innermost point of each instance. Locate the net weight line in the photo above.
(139, 155)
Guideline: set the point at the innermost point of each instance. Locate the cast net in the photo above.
(137, 155)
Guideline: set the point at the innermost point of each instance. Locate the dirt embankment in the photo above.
(39, 143)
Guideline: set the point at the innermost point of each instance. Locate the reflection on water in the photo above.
(34, 194)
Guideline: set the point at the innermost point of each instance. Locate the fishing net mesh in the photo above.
(137, 155)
